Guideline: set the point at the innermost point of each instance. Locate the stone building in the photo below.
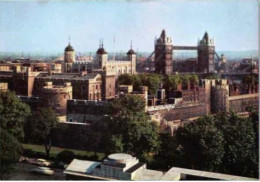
(101, 62)
(84, 86)
(165, 64)
(117, 67)
(163, 55)
(99, 85)
(206, 51)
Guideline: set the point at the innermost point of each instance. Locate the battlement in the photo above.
(87, 102)
(50, 88)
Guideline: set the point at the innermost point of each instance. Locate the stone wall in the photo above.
(239, 103)
(80, 136)
(182, 113)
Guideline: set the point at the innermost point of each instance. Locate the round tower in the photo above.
(56, 96)
(101, 57)
(131, 56)
(69, 58)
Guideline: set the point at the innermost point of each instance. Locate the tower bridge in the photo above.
(164, 48)
(184, 47)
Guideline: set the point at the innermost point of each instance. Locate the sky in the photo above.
(45, 26)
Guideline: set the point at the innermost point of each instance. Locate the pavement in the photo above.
(22, 171)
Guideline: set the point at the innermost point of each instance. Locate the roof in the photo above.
(131, 51)
(205, 174)
(101, 50)
(69, 48)
(148, 175)
(82, 166)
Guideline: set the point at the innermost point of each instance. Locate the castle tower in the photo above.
(101, 57)
(69, 58)
(131, 56)
(206, 50)
(163, 55)
(56, 96)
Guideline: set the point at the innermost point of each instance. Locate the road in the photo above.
(22, 172)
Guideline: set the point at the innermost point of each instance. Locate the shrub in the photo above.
(65, 156)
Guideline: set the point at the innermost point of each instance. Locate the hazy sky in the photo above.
(45, 26)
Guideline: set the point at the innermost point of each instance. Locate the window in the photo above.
(110, 86)
(96, 86)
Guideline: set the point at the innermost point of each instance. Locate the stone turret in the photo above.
(101, 57)
(69, 58)
(206, 51)
(131, 55)
(56, 96)
(163, 54)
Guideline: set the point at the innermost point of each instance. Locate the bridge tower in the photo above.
(206, 51)
(163, 55)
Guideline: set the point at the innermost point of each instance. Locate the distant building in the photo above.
(101, 62)
(163, 55)
(117, 67)
(163, 58)
(206, 51)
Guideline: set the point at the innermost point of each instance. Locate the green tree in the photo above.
(200, 145)
(185, 80)
(139, 134)
(115, 144)
(240, 150)
(223, 143)
(171, 82)
(194, 78)
(65, 156)
(10, 153)
(125, 79)
(40, 127)
(13, 114)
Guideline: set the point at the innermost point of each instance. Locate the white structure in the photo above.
(118, 67)
(126, 167)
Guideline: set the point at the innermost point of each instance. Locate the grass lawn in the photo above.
(55, 150)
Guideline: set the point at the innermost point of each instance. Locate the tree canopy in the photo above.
(131, 129)
(13, 115)
(40, 127)
(153, 81)
(10, 152)
(223, 143)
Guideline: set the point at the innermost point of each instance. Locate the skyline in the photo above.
(46, 26)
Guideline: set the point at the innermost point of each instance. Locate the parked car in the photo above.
(42, 170)
(43, 162)
(23, 159)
